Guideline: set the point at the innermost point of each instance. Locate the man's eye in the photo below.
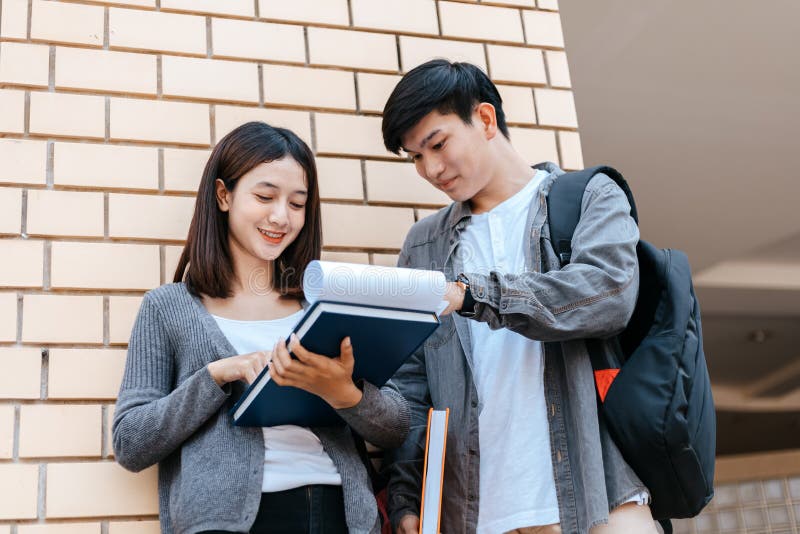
(438, 145)
(416, 157)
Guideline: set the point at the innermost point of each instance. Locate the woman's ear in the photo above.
(488, 119)
(223, 195)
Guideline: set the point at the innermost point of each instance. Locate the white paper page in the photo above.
(374, 285)
(434, 472)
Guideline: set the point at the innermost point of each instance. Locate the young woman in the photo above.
(198, 341)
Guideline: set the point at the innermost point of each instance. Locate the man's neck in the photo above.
(508, 175)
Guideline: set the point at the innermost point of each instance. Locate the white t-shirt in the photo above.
(293, 455)
(517, 488)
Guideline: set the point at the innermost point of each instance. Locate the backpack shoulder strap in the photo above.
(564, 206)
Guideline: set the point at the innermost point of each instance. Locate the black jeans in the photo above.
(316, 509)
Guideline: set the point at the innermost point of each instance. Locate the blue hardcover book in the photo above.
(383, 338)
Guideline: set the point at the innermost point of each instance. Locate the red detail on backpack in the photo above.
(381, 499)
(603, 378)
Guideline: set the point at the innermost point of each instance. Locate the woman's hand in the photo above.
(242, 367)
(329, 378)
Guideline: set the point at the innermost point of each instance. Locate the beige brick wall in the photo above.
(108, 111)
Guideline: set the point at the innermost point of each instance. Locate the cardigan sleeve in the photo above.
(153, 417)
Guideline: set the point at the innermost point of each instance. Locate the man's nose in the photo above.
(433, 168)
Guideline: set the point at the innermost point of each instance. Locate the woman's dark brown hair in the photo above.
(206, 265)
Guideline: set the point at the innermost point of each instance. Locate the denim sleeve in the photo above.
(404, 464)
(592, 297)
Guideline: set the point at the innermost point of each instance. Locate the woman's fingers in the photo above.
(304, 355)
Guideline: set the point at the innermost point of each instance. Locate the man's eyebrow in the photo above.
(425, 141)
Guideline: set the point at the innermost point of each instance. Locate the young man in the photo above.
(525, 450)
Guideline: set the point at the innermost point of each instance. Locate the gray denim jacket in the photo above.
(593, 297)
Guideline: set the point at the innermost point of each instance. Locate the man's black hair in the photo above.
(443, 86)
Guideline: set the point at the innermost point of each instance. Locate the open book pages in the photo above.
(373, 285)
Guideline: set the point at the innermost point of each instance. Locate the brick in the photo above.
(558, 68)
(24, 64)
(387, 260)
(167, 32)
(121, 317)
(104, 266)
(11, 214)
(65, 213)
(366, 226)
(347, 48)
(535, 145)
(523, 3)
(6, 431)
(496, 23)
(258, 40)
(516, 64)
(556, 108)
(5, 529)
(8, 316)
(109, 422)
(141, 3)
(106, 166)
(543, 29)
(320, 11)
(26, 268)
(518, 104)
(106, 71)
(159, 121)
(210, 78)
(229, 117)
(12, 119)
(14, 19)
(24, 161)
(299, 86)
(340, 179)
(172, 255)
(415, 16)
(59, 430)
(167, 217)
(400, 183)
(60, 22)
(68, 115)
(99, 489)
(548, 4)
(417, 50)
(20, 372)
(60, 528)
(346, 257)
(183, 169)
(374, 90)
(18, 492)
(363, 136)
(571, 152)
(134, 527)
(242, 8)
(62, 319)
(84, 373)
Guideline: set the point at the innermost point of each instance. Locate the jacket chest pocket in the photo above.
(442, 334)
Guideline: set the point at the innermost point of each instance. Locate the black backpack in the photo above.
(656, 401)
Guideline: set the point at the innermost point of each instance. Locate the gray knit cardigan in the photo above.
(171, 412)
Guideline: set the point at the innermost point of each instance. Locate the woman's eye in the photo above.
(262, 198)
(295, 205)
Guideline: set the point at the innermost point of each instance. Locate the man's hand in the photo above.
(329, 378)
(454, 295)
(409, 524)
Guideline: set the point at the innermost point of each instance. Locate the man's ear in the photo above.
(488, 119)
(223, 195)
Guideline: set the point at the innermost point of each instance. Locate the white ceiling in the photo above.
(698, 105)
